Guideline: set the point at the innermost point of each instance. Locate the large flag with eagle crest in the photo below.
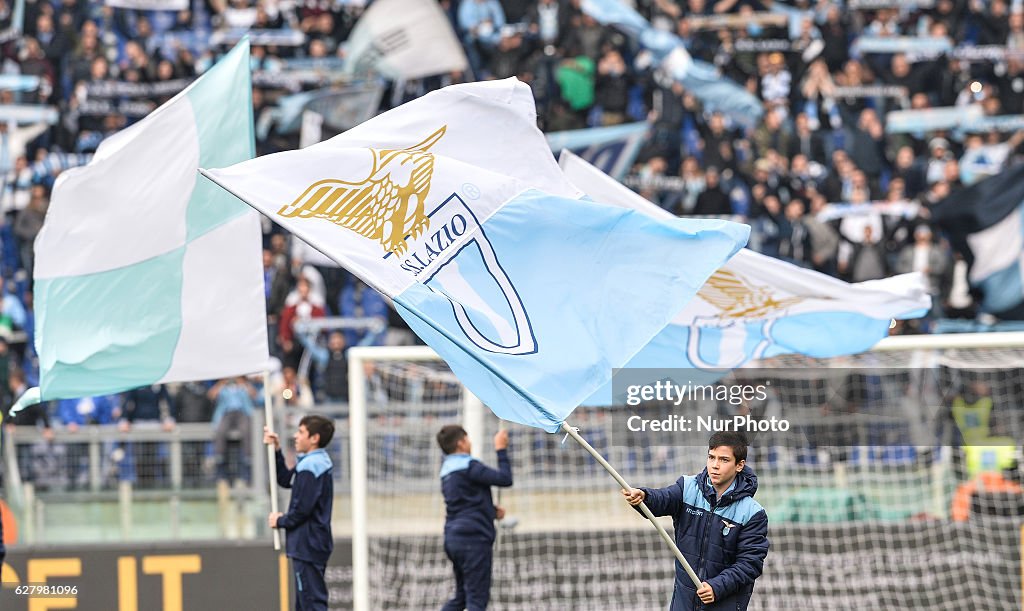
(453, 207)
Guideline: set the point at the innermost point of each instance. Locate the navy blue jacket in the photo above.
(466, 484)
(725, 542)
(308, 520)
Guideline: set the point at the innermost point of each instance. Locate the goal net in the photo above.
(873, 499)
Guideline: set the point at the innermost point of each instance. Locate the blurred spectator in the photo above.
(33, 415)
(684, 200)
(824, 238)
(232, 419)
(795, 244)
(29, 222)
(148, 404)
(277, 282)
(332, 368)
(480, 22)
(291, 391)
(76, 413)
(712, 201)
(14, 142)
(36, 462)
(771, 135)
(866, 259)
(192, 403)
(301, 305)
(612, 88)
(926, 257)
(357, 300)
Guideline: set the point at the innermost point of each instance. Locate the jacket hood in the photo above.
(746, 485)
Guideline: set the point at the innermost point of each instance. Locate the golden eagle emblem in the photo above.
(738, 299)
(388, 206)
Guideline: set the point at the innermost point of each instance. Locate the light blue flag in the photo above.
(757, 307)
(453, 207)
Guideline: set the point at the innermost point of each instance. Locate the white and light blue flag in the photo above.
(757, 307)
(145, 271)
(611, 149)
(404, 39)
(453, 206)
(985, 223)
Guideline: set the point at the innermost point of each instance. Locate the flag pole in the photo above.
(643, 506)
(268, 416)
(497, 541)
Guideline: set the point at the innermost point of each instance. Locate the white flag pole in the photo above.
(497, 541)
(271, 457)
(643, 506)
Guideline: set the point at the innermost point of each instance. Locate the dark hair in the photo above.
(318, 425)
(734, 440)
(449, 436)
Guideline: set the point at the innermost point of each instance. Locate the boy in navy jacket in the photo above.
(470, 514)
(308, 519)
(720, 528)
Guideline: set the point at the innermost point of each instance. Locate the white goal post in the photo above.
(358, 357)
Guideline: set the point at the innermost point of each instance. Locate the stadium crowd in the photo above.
(824, 137)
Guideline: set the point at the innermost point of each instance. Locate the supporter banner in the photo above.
(921, 46)
(17, 82)
(968, 119)
(281, 38)
(638, 182)
(149, 5)
(986, 53)
(286, 80)
(28, 113)
(871, 91)
(404, 39)
(309, 64)
(100, 108)
(1001, 123)
(876, 4)
(737, 22)
(943, 118)
(126, 89)
(905, 209)
(767, 45)
(610, 149)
